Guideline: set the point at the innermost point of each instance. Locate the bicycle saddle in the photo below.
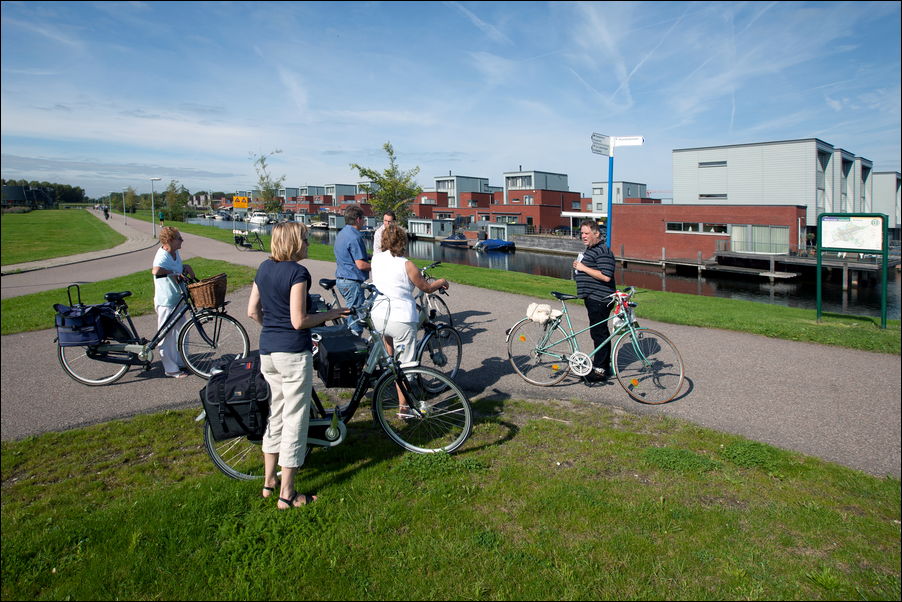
(117, 296)
(564, 296)
(327, 283)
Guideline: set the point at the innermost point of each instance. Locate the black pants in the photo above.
(598, 311)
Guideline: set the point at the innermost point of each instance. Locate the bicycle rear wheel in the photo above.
(538, 353)
(226, 339)
(258, 243)
(441, 351)
(648, 367)
(239, 458)
(89, 371)
(442, 420)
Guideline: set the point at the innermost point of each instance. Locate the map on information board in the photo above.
(852, 232)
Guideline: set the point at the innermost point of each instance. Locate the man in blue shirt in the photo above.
(352, 264)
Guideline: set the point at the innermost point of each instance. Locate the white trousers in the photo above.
(290, 378)
(169, 348)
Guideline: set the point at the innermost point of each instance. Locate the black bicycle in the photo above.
(208, 337)
(420, 409)
(245, 240)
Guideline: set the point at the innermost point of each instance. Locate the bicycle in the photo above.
(435, 421)
(647, 365)
(441, 345)
(207, 338)
(435, 308)
(245, 240)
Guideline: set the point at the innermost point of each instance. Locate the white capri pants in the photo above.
(290, 378)
(404, 339)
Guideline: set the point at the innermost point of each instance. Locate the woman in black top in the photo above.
(280, 304)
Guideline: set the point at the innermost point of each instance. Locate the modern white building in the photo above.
(337, 191)
(808, 172)
(621, 190)
(886, 198)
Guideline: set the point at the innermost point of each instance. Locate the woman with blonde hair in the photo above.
(279, 302)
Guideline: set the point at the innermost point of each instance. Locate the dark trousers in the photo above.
(598, 311)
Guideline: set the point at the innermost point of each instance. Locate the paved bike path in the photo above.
(838, 404)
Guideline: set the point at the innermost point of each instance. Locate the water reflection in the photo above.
(800, 293)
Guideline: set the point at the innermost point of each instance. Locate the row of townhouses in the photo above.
(763, 196)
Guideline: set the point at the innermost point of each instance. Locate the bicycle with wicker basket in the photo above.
(97, 344)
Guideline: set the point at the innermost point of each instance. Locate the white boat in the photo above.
(319, 225)
(258, 217)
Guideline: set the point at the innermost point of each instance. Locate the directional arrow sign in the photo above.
(628, 140)
(601, 149)
(601, 139)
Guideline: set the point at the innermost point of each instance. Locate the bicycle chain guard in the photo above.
(580, 363)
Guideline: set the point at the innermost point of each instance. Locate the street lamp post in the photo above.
(153, 208)
(124, 214)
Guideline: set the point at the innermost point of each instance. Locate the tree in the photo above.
(392, 189)
(176, 199)
(130, 200)
(267, 186)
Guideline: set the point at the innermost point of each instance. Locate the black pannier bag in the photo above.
(78, 325)
(236, 400)
(341, 356)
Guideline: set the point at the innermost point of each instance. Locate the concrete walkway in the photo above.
(837, 404)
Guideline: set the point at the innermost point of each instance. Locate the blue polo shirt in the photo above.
(349, 247)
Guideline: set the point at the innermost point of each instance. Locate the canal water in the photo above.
(862, 301)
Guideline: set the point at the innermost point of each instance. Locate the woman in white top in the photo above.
(167, 264)
(395, 312)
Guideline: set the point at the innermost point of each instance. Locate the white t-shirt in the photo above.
(165, 291)
(395, 303)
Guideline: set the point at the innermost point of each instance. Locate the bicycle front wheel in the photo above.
(441, 351)
(239, 458)
(89, 371)
(427, 422)
(211, 340)
(438, 311)
(539, 353)
(258, 243)
(648, 366)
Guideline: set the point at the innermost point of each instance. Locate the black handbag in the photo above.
(236, 400)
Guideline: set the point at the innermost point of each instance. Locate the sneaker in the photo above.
(598, 375)
(176, 375)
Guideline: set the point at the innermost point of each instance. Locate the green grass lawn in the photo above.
(53, 233)
(547, 500)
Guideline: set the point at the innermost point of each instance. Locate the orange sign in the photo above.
(239, 202)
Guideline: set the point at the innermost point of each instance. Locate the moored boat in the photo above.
(455, 240)
(494, 244)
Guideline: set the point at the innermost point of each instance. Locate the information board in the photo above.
(851, 232)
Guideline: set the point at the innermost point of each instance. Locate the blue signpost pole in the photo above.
(608, 230)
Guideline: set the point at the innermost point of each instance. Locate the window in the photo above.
(715, 228)
(522, 182)
(528, 199)
(683, 227)
(577, 206)
(712, 164)
(709, 197)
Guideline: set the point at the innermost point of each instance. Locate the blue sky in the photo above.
(107, 95)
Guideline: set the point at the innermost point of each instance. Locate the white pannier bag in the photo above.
(542, 312)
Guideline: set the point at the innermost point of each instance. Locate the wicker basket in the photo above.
(209, 292)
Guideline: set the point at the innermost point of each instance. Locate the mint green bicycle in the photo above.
(647, 365)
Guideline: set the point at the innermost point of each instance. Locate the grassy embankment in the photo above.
(53, 233)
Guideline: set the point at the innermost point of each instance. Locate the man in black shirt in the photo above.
(594, 282)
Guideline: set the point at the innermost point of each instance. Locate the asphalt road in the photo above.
(837, 404)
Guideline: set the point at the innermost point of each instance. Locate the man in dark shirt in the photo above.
(594, 282)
